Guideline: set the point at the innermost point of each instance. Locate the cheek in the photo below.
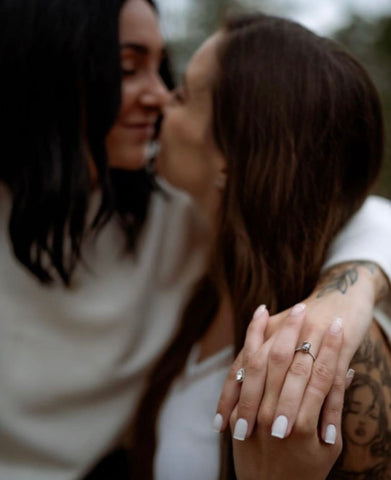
(129, 93)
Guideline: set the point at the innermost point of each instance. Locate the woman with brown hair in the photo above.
(278, 135)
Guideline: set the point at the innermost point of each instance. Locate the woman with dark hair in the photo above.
(80, 322)
(278, 135)
(94, 254)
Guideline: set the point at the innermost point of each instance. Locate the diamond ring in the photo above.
(239, 377)
(306, 348)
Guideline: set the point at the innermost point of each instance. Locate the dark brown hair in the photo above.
(299, 123)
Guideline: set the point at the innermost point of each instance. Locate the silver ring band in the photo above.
(305, 347)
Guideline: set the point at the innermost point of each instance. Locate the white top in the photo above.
(188, 447)
(73, 361)
(366, 237)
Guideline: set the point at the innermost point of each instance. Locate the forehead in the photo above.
(138, 24)
(201, 69)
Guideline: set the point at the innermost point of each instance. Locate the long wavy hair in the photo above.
(59, 96)
(299, 123)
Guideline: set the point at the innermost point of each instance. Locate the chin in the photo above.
(134, 161)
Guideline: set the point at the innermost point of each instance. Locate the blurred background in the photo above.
(363, 26)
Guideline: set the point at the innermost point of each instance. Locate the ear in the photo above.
(221, 177)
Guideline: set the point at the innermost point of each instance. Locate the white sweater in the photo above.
(72, 361)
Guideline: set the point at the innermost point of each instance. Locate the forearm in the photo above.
(362, 276)
(366, 237)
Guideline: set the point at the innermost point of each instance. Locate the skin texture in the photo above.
(143, 92)
(189, 158)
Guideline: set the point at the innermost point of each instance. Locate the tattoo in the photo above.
(345, 278)
(366, 421)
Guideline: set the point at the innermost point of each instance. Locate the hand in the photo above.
(303, 454)
(348, 292)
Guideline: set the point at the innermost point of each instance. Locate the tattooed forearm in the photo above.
(366, 425)
(341, 278)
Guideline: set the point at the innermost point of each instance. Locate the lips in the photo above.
(142, 129)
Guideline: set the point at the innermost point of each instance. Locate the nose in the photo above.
(155, 94)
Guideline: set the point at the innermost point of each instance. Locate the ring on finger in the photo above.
(305, 347)
(239, 376)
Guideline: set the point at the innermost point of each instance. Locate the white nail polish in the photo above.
(240, 430)
(280, 426)
(350, 373)
(217, 423)
(336, 326)
(298, 309)
(331, 434)
(259, 311)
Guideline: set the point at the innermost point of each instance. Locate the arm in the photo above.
(367, 236)
(348, 291)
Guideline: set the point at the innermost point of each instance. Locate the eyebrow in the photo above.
(140, 48)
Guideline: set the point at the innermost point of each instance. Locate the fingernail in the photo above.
(279, 427)
(336, 326)
(258, 312)
(240, 430)
(331, 433)
(349, 377)
(217, 423)
(298, 309)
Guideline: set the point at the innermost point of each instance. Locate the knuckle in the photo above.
(248, 405)
(317, 391)
(299, 368)
(339, 384)
(279, 357)
(323, 372)
(253, 366)
(224, 403)
(333, 411)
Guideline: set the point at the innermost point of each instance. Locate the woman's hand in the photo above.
(303, 454)
(349, 292)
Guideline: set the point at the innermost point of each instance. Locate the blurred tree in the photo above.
(370, 43)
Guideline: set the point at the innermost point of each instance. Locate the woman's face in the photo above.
(362, 418)
(189, 158)
(143, 92)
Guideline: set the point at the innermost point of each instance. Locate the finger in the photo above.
(332, 410)
(279, 359)
(255, 332)
(229, 396)
(231, 389)
(294, 385)
(324, 375)
(251, 394)
(349, 378)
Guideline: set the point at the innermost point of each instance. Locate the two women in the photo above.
(96, 264)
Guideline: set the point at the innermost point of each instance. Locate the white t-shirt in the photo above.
(188, 447)
(73, 361)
